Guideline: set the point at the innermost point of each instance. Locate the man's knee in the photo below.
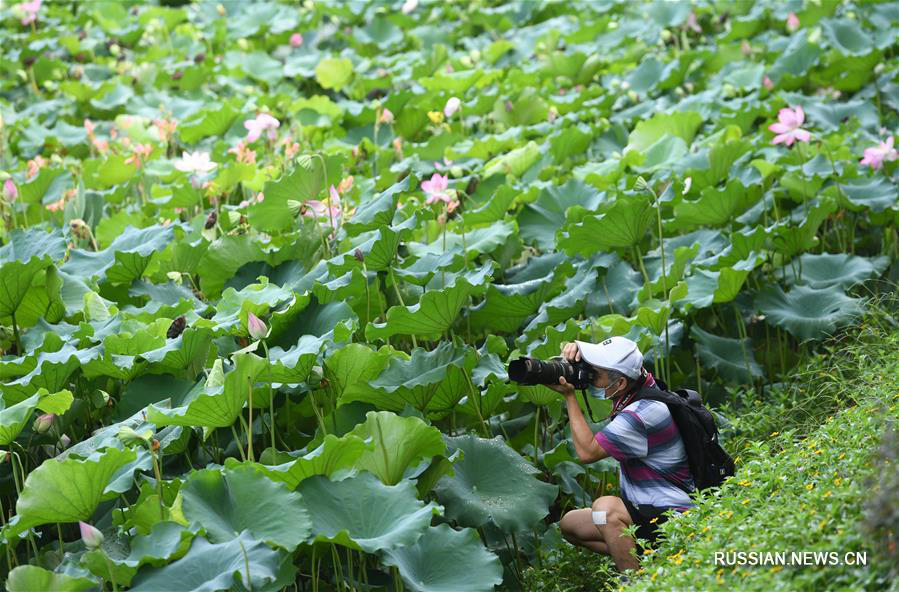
(613, 507)
(567, 525)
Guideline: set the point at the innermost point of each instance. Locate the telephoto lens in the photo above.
(531, 371)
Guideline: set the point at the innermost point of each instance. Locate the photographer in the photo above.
(642, 436)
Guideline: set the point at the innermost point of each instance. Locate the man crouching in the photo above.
(641, 436)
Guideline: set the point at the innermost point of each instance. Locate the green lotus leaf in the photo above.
(209, 121)
(847, 37)
(834, 269)
(432, 381)
(227, 503)
(242, 563)
(808, 313)
(304, 182)
(349, 370)
(876, 194)
(334, 73)
(21, 259)
(425, 267)
(224, 257)
(717, 207)
(166, 541)
(622, 225)
(377, 211)
(49, 370)
(335, 458)
(378, 247)
(29, 578)
(649, 131)
(506, 306)
(401, 443)
(66, 490)
(15, 417)
(183, 355)
(432, 564)
(258, 298)
(570, 303)
(475, 242)
(124, 260)
(493, 483)
(437, 309)
(514, 163)
(493, 209)
(216, 406)
(364, 514)
(732, 359)
(791, 239)
(538, 221)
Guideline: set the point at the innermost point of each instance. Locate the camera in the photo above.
(531, 371)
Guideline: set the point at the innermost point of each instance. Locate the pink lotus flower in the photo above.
(787, 128)
(296, 40)
(345, 184)
(29, 11)
(195, 162)
(436, 189)
(874, 157)
(319, 210)
(692, 24)
(89, 127)
(263, 122)
(792, 22)
(91, 536)
(452, 105)
(10, 191)
(255, 327)
(332, 193)
(766, 82)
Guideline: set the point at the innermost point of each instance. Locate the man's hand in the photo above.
(563, 387)
(571, 352)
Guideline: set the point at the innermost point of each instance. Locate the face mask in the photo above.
(598, 392)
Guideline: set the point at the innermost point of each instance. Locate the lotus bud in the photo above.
(43, 422)
(220, 8)
(296, 40)
(385, 117)
(256, 327)
(358, 255)
(10, 191)
(91, 536)
(452, 105)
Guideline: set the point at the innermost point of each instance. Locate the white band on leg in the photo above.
(599, 518)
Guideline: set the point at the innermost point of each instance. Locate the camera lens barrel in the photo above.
(531, 371)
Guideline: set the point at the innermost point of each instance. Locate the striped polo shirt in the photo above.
(644, 439)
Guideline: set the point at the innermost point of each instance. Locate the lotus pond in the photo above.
(264, 265)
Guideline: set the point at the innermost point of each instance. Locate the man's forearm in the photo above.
(580, 431)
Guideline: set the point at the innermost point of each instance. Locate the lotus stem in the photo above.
(115, 587)
(250, 428)
(400, 298)
(246, 563)
(271, 395)
(383, 448)
(243, 457)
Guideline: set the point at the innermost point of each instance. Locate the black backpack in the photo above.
(709, 462)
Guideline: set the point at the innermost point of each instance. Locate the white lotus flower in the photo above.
(195, 162)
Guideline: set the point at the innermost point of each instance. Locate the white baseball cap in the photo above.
(615, 353)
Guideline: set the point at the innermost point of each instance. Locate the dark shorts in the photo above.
(642, 514)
